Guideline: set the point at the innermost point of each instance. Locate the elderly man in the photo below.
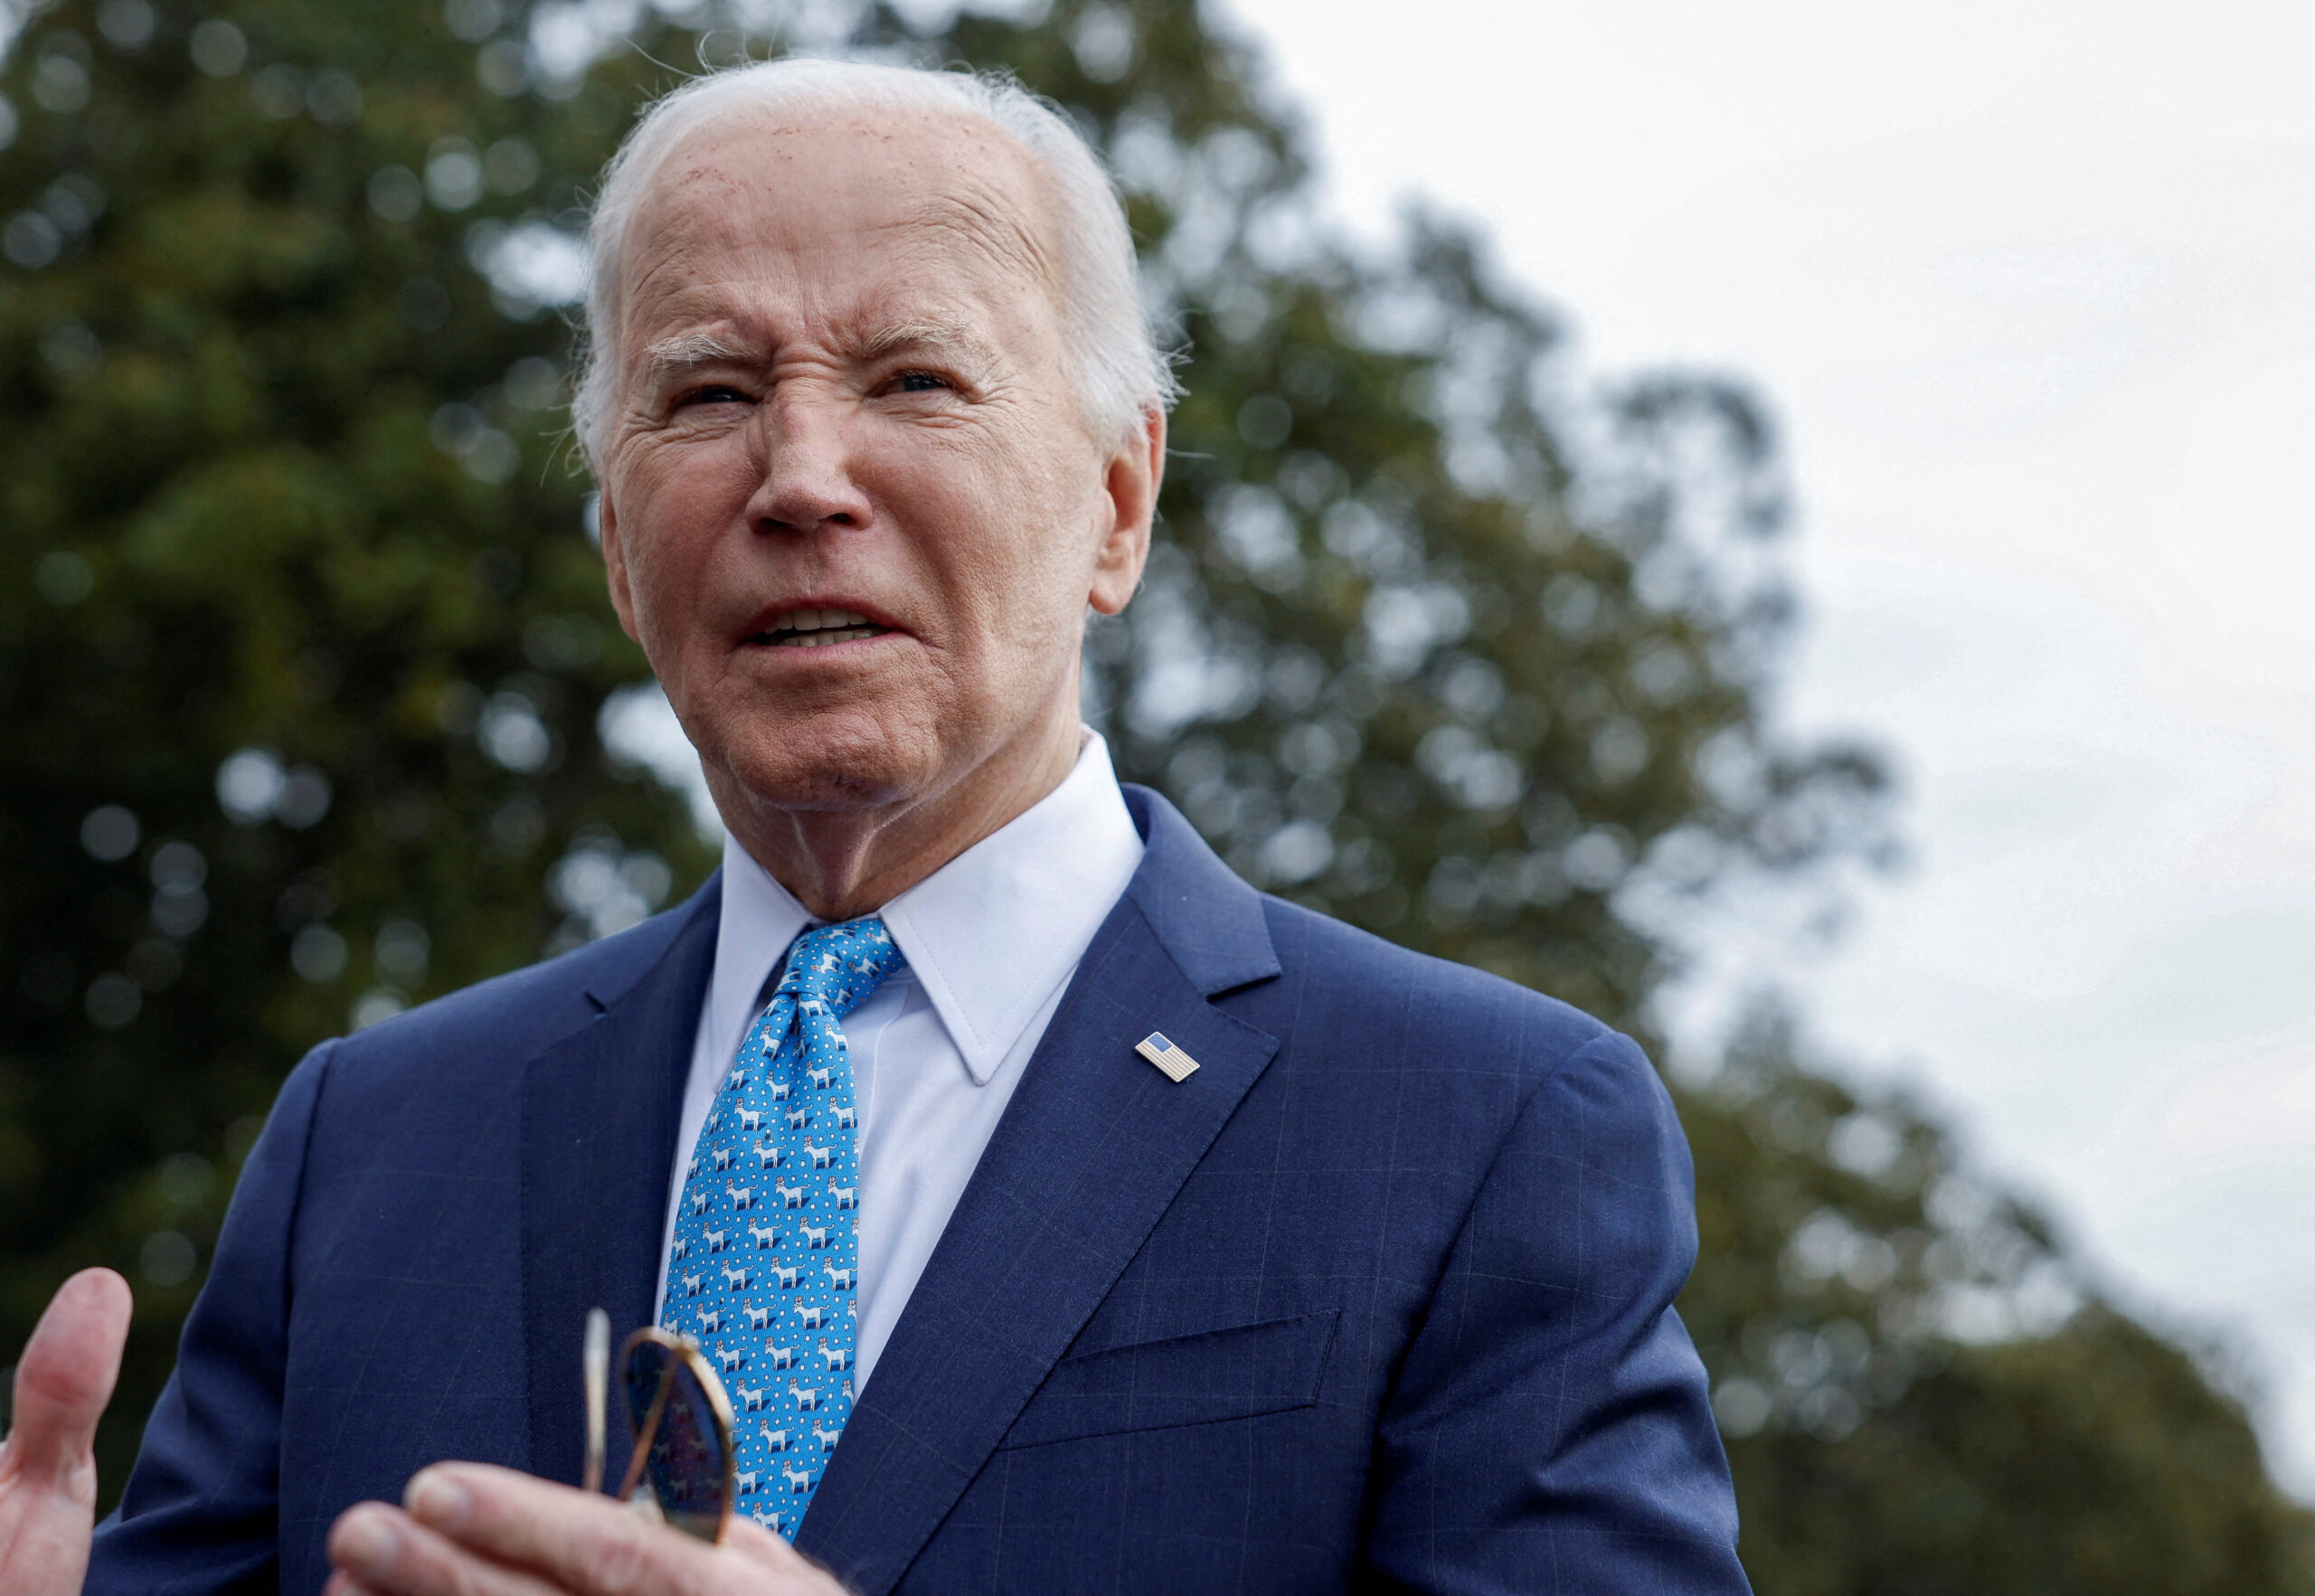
(1103, 1222)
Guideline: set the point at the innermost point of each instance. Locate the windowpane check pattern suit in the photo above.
(1378, 1298)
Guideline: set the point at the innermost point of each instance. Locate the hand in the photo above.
(48, 1469)
(474, 1530)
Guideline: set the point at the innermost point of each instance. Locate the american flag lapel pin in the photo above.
(1178, 1065)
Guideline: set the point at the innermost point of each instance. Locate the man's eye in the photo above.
(919, 382)
(714, 394)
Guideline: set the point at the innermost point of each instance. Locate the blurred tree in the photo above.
(303, 652)
(315, 707)
(1920, 1394)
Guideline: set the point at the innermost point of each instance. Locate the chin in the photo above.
(826, 762)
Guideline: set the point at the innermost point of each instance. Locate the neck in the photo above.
(843, 863)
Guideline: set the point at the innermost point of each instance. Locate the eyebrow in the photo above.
(672, 356)
(922, 334)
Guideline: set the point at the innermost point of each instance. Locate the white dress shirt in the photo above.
(991, 940)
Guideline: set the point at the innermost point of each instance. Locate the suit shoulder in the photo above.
(508, 1017)
(1355, 982)
(1456, 1058)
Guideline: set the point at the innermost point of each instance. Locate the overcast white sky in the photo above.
(2033, 291)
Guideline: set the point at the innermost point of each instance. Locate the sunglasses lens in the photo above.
(687, 1464)
(647, 1364)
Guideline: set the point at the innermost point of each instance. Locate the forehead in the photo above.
(837, 214)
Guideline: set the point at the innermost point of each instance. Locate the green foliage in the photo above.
(276, 483)
(1443, 636)
(1919, 1394)
(2095, 1460)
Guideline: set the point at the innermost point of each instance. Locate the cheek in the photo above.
(671, 506)
(1016, 531)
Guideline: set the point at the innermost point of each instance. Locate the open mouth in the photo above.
(815, 628)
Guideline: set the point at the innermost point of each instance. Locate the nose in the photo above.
(807, 483)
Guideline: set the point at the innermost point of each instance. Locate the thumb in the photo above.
(67, 1373)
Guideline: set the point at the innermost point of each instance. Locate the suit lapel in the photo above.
(600, 1112)
(1090, 1153)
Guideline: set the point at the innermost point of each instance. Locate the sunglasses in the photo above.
(683, 1426)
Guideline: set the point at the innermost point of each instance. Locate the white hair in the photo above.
(1123, 374)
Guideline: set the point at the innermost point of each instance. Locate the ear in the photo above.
(615, 557)
(1131, 480)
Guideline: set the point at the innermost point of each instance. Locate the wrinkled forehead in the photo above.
(935, 191)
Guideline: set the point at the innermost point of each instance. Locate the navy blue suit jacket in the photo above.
(1379, 1299)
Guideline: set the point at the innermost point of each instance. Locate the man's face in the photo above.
(845, 396)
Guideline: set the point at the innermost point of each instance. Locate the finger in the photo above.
(67, 1373)
(587, 1542)
(381, 1551)
(576, 1539)
(752, 1546)
(749, 1541)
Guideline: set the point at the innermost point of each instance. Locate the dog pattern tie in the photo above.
(761, 1273)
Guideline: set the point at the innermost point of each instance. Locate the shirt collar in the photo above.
(990, 936)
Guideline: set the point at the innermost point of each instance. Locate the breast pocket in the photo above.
(1239, 1372)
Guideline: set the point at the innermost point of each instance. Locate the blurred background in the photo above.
(1778, 529)
(2032, 293)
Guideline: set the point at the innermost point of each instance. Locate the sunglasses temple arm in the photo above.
(598, 1367)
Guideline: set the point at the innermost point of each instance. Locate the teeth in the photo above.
(815, 628)
(827, 635)
(819, 620)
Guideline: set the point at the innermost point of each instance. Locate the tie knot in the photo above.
(837, 966)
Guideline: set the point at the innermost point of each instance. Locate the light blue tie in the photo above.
(761, 1273)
